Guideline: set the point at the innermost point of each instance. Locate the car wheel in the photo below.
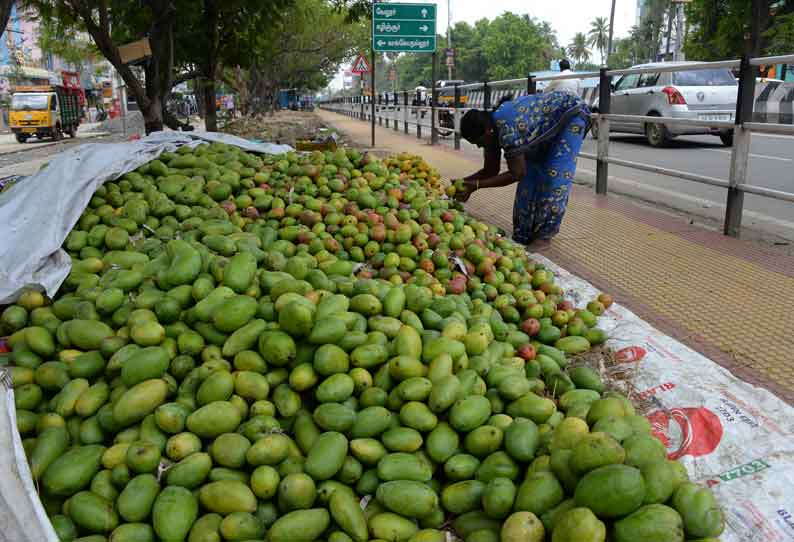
(21, 138)
(57, 135)
(657, 134)
(727, 138)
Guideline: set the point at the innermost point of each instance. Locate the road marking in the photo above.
(762, 156)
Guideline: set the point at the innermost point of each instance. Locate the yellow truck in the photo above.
(44, 111)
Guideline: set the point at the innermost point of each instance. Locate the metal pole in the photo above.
(669, 29)
(405, 111)
(457, 117)
(372, 77)
(486, 96)
(611, 26)
(741, 148)
(433, 134)
(449, 36)
(604, 97)
(532, 85)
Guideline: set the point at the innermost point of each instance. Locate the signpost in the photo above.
(402, 28)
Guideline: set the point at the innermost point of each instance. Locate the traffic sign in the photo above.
(404, 28)
(360, 65)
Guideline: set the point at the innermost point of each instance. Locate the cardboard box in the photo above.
(134, 51)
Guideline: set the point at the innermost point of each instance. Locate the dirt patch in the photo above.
(285, 127)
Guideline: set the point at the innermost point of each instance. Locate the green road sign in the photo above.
(404, 28)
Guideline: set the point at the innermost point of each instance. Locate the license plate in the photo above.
(29, 130)
(716, 116)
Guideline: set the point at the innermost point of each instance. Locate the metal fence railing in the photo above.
(405, 109)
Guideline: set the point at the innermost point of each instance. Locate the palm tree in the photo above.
(598, 36)
(578, 48)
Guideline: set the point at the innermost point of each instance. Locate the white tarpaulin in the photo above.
(733, 437)
(38, 213)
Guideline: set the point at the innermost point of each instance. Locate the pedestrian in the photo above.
(541, 135)
(565, 85)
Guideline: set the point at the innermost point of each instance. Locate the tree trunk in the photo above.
(5, 13)
(211, 62)
(210, 114)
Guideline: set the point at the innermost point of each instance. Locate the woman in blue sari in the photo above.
(541, 135)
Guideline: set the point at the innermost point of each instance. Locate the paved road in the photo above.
(771, 166)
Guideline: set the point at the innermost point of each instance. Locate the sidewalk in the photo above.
(731, 300)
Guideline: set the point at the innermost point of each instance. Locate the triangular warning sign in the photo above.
(360, 65)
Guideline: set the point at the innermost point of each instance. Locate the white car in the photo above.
(687, 94)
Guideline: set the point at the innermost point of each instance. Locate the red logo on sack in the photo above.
(695, 431)
(4, 347)
(630, 354)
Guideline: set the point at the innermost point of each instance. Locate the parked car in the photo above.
(687, 94)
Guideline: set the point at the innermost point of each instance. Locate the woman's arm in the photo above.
(492, 162)
(516, 170)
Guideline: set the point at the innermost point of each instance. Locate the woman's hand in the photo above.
(465, 189)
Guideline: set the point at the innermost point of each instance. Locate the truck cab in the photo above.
(43, 112)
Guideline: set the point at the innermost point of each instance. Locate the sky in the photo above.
(567, 17)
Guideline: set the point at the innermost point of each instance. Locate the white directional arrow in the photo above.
(424, 28)
(424, 13)
(381, 43)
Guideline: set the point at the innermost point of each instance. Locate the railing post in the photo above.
(456, 114)
(433, 132)
(405, 111)
(532, 85)
(396, 116)
(740, 153)
(486, 96)
(604, 98)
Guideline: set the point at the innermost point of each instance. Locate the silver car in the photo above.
(687, 94)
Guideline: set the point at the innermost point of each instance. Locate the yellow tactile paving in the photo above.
(735, 305)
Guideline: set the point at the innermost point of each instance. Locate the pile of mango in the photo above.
(316, 347)
(411, 166)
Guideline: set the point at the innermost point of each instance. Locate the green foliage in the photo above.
(578, 50)
(598, 36)
(508, 46)
(65, 43)
(718, 28)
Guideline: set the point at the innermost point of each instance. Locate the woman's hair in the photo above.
(473, 124)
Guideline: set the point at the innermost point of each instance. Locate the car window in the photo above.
(648, 79)
(627, 82)
(704, 78)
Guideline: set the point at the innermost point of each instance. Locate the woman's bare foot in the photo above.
(539, 244)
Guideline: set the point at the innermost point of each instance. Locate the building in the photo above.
(22, 62)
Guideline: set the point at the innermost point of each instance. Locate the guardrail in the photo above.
(394, 110)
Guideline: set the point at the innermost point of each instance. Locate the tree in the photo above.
(207, 32)
(598, 36)
(578, 48)
(65, 43)
(719, 28)
(303, 51)
(128, 21)
(5, 14)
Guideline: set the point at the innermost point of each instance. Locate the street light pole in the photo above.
(449, 37)
(611, 28)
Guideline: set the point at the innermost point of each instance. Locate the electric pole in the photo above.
(611, 30)
(449, 37)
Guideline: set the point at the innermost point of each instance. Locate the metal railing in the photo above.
(395, 109)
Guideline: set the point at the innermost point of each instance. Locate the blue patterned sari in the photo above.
(549, 130)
